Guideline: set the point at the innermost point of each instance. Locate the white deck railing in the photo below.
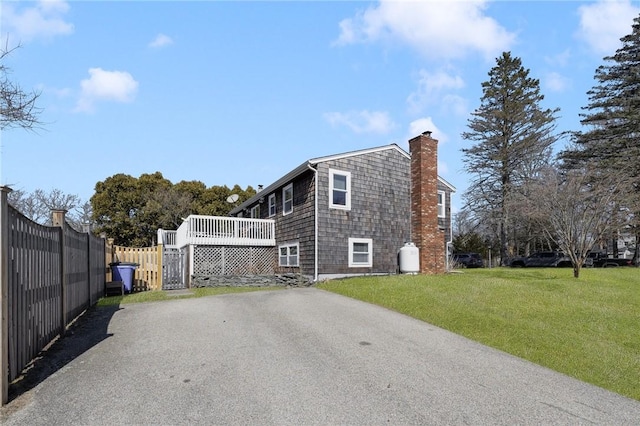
(225, 231)
(167, 238)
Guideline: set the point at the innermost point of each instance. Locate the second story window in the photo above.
(287, 199)
(339, 190)
(441, 201)
(255, 212)
(272, 205)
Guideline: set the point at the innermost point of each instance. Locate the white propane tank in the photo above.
(409, 259)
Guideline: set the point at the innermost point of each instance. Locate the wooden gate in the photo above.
(146, 275)
(173, 269)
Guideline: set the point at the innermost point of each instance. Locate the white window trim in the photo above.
(441, 207)
(255, 212)
(347, 206)
(272, 205)
(288, 247)
(353, 264)
(284, 201)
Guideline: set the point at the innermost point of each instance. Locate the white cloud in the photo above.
(603, 23)
(443, 29)
(161, 40)
(44, 20)
(425, 124)
(431, 91)
(362, 121)
(556, 82)
(117, 86)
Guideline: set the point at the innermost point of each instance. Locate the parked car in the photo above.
(542, 259)
(468, 260)
(604, 260)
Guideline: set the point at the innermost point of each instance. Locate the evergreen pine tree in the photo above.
(513, 136)
(613, 120)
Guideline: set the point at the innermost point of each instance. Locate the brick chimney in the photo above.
(425, 233)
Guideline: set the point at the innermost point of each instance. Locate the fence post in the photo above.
(160, 258)
(57, 219)
(4, 293)
(89, 274)
(109, 258)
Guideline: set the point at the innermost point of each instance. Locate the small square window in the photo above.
(288, 255)
(360, 252)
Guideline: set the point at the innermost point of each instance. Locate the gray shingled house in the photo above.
(350, 213)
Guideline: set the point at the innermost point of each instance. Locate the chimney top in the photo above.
(427, 133)
(259, 188)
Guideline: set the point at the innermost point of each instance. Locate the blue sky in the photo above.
(242, 92)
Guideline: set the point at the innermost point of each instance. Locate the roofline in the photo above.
(447, 184)
(275, 185)
(309, 164)
(360, 152)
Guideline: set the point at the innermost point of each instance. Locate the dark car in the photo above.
(542, 258)
(468, 260)
(604, 260)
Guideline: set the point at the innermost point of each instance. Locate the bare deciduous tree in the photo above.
(17, 107)
(576, 208)
(37, 206)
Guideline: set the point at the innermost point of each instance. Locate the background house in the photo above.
(350, 213)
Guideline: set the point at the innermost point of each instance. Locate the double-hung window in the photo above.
(441, 202)
(287, 199)
(288, 255)
(360, 252)
(339, 190)
(272, 205)
(255, 212)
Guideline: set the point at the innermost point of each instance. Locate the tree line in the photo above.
(522, 197)
(131, 210)
(128, 209)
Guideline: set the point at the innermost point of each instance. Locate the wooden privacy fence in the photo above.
(148, 274)
(48, 276)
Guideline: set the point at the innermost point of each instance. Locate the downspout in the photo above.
(450, 236)
(315, 222)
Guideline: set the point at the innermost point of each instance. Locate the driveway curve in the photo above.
(301, 357)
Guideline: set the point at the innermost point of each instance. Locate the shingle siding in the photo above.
(379, 210)
(298, 226)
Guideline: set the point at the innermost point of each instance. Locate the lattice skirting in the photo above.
(222, 260)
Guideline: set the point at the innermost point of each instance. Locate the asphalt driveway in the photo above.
(298, 357)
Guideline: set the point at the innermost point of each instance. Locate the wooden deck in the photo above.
(221, 231)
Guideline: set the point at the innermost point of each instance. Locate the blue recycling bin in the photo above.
(124, 271)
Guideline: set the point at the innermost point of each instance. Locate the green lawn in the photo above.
(588, 328)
